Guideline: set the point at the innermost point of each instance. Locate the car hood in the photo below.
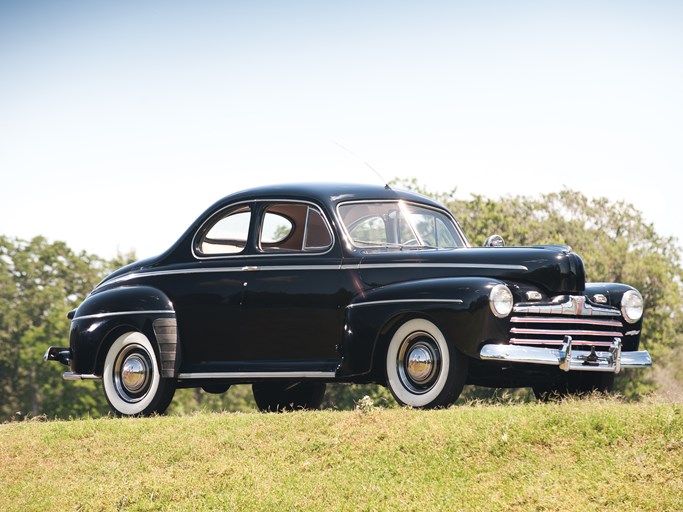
(554, 269)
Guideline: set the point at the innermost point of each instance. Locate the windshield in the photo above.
(398, 224)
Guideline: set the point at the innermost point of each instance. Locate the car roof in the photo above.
(328, 193)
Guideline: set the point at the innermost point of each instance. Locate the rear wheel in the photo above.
(288, 396)
(131, 379)
(423, 369)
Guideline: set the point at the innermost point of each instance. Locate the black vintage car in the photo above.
(291, 287)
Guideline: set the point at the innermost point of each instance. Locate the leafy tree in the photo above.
(39, 283)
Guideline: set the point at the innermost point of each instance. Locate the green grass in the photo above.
(575, 455)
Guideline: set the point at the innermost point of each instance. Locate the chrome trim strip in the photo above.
(256, 375)
(361, 266)
(561, 320)
(567, 332)
(288, 268)
(220, 270)
(80, 376)
(121, 313)
(574, 305)
(409, 301)
(520, 341)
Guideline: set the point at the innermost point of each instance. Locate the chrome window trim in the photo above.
(256, 375)
(402, 301)
(122, 313)
(445, 211)
(193, 243)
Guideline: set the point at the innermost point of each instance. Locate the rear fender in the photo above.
(106, 315)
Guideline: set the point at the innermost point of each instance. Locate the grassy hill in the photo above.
(575, 455)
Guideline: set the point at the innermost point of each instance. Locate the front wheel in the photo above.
(133, 385)
(423, 369)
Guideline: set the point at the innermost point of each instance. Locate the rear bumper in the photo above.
(80, 376)
(568, 359)
(63, 355)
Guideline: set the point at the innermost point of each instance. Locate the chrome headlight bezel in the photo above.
(501, 300)
(632, 306)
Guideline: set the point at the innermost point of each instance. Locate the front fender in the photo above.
(105, 315)
(457, 306)
(613, 292)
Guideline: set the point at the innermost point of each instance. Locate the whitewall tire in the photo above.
(423, 369)
(132, 381)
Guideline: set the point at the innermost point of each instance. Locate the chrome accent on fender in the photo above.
(121, 313)
(166, 333)
(568, 359)
(361, 266)
(599, 298)
(402, 301)
(80, 376)
(533, 295)
(573, 305)
(256, 375)
(632, 333)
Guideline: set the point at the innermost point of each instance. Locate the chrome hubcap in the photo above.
(132, 373)
(419, 362)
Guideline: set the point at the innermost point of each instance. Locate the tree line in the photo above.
(41, 281)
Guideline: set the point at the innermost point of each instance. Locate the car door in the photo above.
(207, 294)
(292, 306)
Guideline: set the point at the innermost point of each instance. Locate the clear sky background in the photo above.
(121, 121)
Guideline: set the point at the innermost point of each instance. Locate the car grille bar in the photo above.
(548, 324)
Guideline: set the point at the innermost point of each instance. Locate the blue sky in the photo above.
(120, 122)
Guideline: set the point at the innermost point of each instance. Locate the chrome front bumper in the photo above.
(568, 359)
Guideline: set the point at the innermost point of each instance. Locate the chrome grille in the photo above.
(588, 324)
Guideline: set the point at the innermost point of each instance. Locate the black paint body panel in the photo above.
(332, 310)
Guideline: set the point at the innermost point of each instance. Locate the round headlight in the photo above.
(500, 300)
(632, 306)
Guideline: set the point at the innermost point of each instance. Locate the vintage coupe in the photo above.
(291, 287)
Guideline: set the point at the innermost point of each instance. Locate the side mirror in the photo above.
(494, 241)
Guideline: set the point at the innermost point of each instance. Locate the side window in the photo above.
(432, 230)
(228, 235)
(293, 227)
(369, 231)
(276, 228)
(318, 236)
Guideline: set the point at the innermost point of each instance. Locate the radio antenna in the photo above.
(386, 184)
